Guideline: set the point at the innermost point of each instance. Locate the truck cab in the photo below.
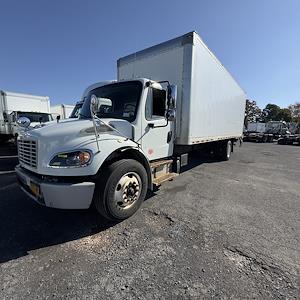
(105, 155)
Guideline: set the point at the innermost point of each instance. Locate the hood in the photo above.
(73, 135)
(73, 129)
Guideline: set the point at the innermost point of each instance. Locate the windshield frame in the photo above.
(85, 110)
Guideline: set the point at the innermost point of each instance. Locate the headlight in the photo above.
(71, 159)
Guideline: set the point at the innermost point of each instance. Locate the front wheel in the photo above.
(122, 190)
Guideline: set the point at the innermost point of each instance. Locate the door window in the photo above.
(155, 104)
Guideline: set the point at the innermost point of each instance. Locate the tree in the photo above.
(271, 112)
(284, 115)
(253, 113)
(295, 111)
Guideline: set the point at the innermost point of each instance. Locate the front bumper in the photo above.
(57, 195)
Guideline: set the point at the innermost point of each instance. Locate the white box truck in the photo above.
(62, 110)
(16, 105)
(136, 132)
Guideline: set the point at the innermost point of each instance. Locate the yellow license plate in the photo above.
(35, 188)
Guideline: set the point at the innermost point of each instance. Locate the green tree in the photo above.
(284, 115)
(295, 111)
(271, 112)
(252, 113)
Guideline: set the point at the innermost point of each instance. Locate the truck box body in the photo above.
(15, 102)
(256, 127)
(64, 110)
(210, 104)
(23, 102)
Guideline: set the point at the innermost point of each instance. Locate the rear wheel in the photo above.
(225, 150)
(121, 192)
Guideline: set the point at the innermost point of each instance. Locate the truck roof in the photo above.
(102, 83)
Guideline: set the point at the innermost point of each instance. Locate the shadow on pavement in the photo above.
(26, 226)
(197, 158)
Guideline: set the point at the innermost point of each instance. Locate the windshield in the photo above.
(76, 110)
(35, 117)
(118, 100)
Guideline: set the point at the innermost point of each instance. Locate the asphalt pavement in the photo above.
(224, 230)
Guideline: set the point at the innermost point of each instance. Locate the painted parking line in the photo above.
(8, 186)
(10, 156)
(7, 172)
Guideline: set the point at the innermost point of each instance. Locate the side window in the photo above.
(156, 104)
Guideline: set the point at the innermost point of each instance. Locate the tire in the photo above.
(225, 150)
(122, 190)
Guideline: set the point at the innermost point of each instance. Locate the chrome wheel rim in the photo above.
(127, 191)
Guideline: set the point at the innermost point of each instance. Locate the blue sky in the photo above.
(57, 48)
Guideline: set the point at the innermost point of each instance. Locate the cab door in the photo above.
(157, 132)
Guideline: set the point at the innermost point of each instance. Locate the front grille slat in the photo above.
(27, 150)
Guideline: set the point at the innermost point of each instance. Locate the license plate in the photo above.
(35, 188)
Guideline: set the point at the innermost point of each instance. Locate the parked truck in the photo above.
(291, 136)
(257, 132)
(62, 110)
(76, 110)
(16, 105)
(134, 133)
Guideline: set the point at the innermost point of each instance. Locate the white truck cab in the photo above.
(69, 164)
(135, 132)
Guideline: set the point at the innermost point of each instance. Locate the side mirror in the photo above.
(23, 122)
(171, 114)
(94, 104)
(172, 95)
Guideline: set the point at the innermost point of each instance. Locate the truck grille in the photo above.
(27, 152)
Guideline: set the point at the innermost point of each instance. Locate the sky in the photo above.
(57, 48)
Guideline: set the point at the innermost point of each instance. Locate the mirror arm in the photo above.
(94, 125)
(151, 125)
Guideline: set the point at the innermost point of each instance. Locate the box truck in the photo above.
(257, 132)
(134, 133)
(62, 110)
(16, 105)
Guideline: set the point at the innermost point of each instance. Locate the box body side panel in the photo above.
(217, 101)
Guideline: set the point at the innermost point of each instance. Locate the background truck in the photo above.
(258, 132)
(135, 133)
(62, 110)
(16, 105)
(292, 136)
(76, 110)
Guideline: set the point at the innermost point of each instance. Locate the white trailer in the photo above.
(62, 110)
(15, 105)
(136, 132)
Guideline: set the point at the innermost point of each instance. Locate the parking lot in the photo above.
(220, 230)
